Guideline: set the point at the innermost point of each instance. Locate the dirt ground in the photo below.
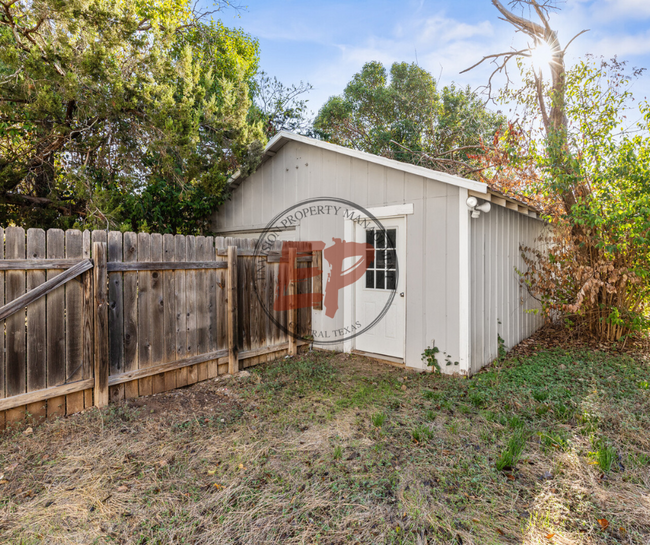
(547, 446)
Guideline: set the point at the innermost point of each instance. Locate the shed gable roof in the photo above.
(283, 137)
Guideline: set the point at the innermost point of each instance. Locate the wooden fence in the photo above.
(95, 317)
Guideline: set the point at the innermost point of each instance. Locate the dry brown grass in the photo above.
(290, 455)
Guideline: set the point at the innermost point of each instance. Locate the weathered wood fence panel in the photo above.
(46, 356)
(153, 313)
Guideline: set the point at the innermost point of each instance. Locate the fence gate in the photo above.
(92, 317)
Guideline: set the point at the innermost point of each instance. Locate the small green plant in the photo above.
(502, 351)
(553, 440)
(562, 412)
(421, 433)
(338, 452)
(432, 396)
(378, 419)
(540, 395)
(515, 422)
(640, 459)
(604, 454)
(510, 456)
(430, 415)
(429, 355)
(541, 410)
(476, 399)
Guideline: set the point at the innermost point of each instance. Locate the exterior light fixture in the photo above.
(476, 208)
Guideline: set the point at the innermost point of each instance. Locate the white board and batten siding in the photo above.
(500, 304)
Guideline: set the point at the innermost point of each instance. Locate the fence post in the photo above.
(293, 303)
(233, 347)
(100, 280)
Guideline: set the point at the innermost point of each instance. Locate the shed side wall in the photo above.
(500, 306)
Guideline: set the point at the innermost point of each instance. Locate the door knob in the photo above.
(401, 294)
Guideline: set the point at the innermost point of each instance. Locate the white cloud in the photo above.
(622, 9)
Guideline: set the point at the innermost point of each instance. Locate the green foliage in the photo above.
(604, 455)
(338, 452)
(429, 355)
(128, 113)
(502, 351)
(594, 178)
(404, 116)
(512, 453)
(280, 107)
(553, 440)
(421, 433)
(378, 419)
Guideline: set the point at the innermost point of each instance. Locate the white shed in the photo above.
(458, 286)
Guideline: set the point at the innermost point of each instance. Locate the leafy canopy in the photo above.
(405, 117)
(132, 113)
(596, 271)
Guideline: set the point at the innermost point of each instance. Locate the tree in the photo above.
(581, 159)
(123, 113)
(405, 117)
(279, 107)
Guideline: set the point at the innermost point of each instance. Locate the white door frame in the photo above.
(349, 293)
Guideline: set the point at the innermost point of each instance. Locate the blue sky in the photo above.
(326, 42)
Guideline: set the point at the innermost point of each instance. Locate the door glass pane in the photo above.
(370, 258)
(370, 236)
(390, 259)
(390, 280)
(380, 259)
(370, 279)
(379, 239)
(392, 237)
(380, 280)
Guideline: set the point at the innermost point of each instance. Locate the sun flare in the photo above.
(542, 55)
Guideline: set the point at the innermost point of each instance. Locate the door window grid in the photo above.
(382, 272)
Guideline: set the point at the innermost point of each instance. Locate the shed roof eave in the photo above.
(280, 139)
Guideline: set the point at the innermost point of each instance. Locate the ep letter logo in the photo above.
(345, 263)
(337, 279)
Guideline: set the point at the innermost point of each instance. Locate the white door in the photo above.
(372, 293)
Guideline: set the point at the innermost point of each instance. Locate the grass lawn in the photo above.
(553, 447)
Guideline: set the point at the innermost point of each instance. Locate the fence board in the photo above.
(74, 323)
(221, 302)
(2, 325)
(100, 286)
(115, 316)
(130, 301)
(15, 325)
(233, 345)
(157, 314)
(180, 309)
(211, 286)
(190, 301)
(36, 355)
(88, 322)
(280, 316)
(144, 314)
(201, 310)
(169, 328)
(96, 236)
(55, 325)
